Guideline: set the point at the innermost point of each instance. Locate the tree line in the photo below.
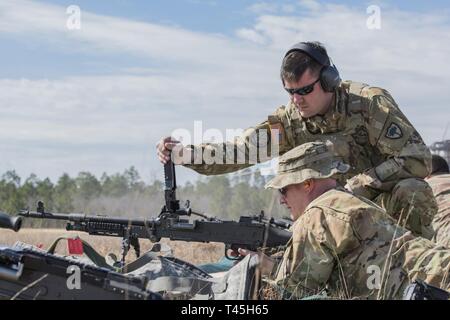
(126, 194)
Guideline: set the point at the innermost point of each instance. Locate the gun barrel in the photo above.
(54, 216)
(8, 222)
(81, 217)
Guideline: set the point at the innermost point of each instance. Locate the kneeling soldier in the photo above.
(344, 242)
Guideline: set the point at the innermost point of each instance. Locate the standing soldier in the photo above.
(439, 180)
(388, 158)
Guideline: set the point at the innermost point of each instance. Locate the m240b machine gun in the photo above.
(250, 232)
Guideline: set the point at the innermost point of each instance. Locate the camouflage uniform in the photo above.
(441, 223)
(347, 243)
(388, 158)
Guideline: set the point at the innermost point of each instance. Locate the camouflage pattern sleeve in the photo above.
(318, 239)
(257, 144)
(440, 185)
(396, 139)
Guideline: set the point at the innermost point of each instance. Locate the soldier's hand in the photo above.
(348, 187)
(361, 185)
(246, 252)
(266, 263)
(164, 148)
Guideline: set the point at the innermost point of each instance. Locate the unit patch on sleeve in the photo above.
(394, 131)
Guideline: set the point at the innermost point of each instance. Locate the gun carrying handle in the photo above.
(11, 274)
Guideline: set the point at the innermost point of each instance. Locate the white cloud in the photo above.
(250, 35)
(103, 34)
(109, 123)
(99, 123)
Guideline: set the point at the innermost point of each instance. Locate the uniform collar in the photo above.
(317, 200)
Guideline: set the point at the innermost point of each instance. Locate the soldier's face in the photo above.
(296, 199)
(309, 104)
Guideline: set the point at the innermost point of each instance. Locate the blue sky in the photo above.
(214, 15)
(34, 59)
(98, 99)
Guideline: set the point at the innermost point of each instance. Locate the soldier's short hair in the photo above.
(296, 63)
(438, 165)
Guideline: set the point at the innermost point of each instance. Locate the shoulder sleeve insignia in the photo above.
(394, 131)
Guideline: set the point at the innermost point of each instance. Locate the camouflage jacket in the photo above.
(350, 246)
(441, 222)
(371, 133)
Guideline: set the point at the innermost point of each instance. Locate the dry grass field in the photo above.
(195, 253)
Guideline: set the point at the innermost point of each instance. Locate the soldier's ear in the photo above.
(309, 185)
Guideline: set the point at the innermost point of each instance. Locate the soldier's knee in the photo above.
(416, 193)
(414, 188)
(415, 197)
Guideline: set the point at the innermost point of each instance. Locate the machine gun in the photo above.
(250, 232)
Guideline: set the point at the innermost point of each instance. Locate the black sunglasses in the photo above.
(303, 91)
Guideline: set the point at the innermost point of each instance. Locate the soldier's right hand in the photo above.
(266, 263)
(164, 147)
